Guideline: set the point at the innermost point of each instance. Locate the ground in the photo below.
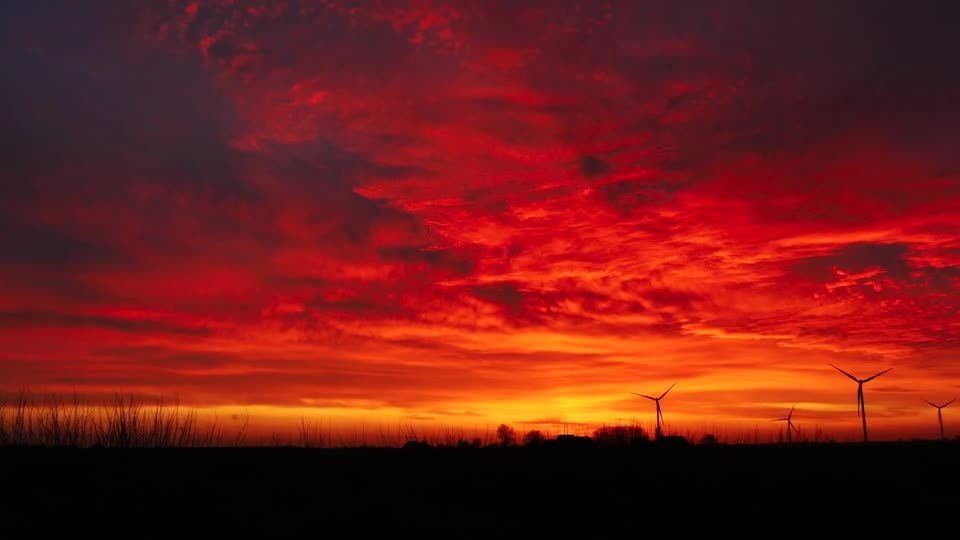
(279, 491)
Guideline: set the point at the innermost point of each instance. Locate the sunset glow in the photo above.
(456, 214)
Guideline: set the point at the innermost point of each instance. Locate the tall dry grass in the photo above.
(52, 421)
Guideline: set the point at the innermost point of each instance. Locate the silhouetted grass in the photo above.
(50, 421)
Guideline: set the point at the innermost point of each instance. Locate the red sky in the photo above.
(466, 213)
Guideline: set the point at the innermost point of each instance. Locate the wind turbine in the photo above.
(789, 424)
(861, 407)
(657, 400)
(940, 414)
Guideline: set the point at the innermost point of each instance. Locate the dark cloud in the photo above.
(13, 319)
(296, 37)
(321, 167)
(592, 166)
(507, 295)
(67, 287)
(505, 106)
(941, 279)
(83, 116)
(459, 263)
(662, 297)
(639, 197)
(886, 73)
(318, 178)
(355, 219)
(165, 357)
(856, 258)
(43, 246)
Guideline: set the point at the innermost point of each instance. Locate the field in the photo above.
(153, 470)
(279, 491)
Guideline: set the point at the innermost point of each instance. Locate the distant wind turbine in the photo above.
(940, 414)
(861, 407)
(657, 400)
(789, 424)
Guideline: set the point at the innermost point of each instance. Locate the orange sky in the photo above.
(467, 213)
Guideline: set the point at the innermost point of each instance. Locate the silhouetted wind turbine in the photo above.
(861, 407)
(789, 424)
(657, 400)
(940, 414)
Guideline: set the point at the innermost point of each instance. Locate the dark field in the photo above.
(280, 491)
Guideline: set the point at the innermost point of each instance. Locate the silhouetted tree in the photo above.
(533, 438)
(619, 435)
(570, 442)
(506, 435)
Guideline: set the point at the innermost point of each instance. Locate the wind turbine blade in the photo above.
(789, 423)
(642, 395)
(791, 412)
(780, 419)
(947, 403)
(877, 375)
(668, 389)
(844, 372)
(931, 404)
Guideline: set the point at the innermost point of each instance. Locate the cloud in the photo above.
(855, 259)
(517, 211)
(69, 320)
(83, 118)
(592, 166)
(506, 295)
(37, 245)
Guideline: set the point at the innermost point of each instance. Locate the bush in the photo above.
(463, 443)
(709, 440)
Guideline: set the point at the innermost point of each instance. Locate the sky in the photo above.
(464, 213)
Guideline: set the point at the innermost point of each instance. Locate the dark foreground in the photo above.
(457, 492)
